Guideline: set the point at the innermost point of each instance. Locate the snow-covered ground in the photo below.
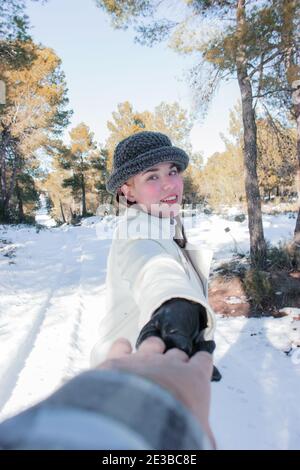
(52, 291)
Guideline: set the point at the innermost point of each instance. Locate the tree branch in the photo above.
(262, 63)
(270, 92)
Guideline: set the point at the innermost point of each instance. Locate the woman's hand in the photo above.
(180, 324)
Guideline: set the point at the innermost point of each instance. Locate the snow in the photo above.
(52, 291)
(255, 406)
(42, 216)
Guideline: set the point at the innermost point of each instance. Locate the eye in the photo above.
(152, 177)
(174, 171)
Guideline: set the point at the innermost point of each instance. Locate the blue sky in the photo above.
(104, 67)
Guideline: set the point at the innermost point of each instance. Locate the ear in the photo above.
(128, 191)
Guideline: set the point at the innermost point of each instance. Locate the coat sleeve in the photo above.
(154, 276)
(106, 409)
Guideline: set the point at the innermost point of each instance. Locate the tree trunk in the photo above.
(62, 212)
(4, 213)
(2, 174)
(257, 241)
(83, 197)
(3, 192)
(20, 203)
(7, 189)
(297, 109)
(13, 177)
(291, 62)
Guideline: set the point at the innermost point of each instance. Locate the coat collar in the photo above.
(200, 257)
(136, 224)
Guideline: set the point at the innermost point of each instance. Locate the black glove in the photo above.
(180, 324)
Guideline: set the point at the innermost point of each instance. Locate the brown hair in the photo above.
(121, 199)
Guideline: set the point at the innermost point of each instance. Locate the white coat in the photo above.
(146, 268)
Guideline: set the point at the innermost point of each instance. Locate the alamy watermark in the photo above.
(158, 221)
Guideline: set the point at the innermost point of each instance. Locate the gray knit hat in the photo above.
(139, 152)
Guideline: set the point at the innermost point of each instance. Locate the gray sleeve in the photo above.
(106, 410)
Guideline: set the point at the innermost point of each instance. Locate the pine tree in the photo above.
(230, 39)
(80, 158)
(167, 118)
(14, 35)
(33, 116)
(277, 162)
(26, 196)
(60, 200)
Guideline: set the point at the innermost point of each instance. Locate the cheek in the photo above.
(150, 192)
(179, 185)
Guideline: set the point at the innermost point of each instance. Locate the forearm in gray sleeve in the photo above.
(106, 410)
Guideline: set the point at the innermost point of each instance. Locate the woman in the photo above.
(156, 280)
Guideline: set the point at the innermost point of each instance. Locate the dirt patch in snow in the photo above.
(227, 295)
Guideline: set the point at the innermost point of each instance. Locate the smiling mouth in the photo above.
(170, 200)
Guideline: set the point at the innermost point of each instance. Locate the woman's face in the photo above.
(159, 189)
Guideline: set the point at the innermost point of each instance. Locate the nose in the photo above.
(168, 182)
